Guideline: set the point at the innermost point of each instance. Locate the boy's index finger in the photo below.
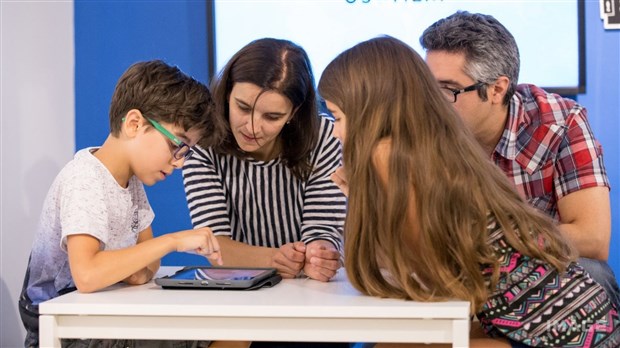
(217, 257)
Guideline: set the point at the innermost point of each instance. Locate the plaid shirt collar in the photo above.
(509, 145)
(528, 134)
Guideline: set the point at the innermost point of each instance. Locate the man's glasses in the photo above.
(182, 151)
(452, 93)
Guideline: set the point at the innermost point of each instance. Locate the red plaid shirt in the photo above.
(548, 149)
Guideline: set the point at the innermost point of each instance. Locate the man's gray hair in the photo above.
(489, 48)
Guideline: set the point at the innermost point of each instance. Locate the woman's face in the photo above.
(272, 111)
(340, 123)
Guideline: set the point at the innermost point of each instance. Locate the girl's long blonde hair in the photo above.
(386, 91)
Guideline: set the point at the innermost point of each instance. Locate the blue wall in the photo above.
(110, 36)
(602, 99)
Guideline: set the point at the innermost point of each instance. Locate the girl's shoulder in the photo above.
(383, 147)
(381, 152)
(381, 159)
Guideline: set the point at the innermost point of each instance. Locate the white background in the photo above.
(325, 28)
(37, 133)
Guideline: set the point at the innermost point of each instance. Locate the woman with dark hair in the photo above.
(265, 190)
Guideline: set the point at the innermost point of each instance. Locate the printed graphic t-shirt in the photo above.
(83, 199)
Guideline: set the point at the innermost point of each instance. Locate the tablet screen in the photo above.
(217, 274)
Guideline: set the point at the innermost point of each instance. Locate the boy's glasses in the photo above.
(182, 151)
(451, 93)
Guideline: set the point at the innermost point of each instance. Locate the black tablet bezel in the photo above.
(169, 282)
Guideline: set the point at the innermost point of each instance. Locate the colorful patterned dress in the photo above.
(537, 306)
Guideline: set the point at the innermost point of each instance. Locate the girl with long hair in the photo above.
(431, 218)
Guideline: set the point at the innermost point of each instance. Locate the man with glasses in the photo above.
(95, 228)
(543, 142)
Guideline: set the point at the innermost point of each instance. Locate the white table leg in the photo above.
(48, 331)
(460, 334)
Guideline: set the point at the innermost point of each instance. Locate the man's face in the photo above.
(448, 69)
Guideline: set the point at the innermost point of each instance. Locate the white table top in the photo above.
(292, 298)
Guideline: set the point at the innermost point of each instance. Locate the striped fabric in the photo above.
(263, 203)
(536, 305)
(547, 149)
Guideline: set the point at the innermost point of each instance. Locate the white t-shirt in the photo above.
(83, 199)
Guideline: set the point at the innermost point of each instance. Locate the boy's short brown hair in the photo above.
(165, 94)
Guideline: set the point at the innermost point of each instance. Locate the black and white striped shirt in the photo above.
(262, 203)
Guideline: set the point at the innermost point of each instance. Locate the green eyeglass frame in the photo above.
(182, 151)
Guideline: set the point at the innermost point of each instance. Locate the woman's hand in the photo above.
(340, 179)
(322, 260)
(289, 259)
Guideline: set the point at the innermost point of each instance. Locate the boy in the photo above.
(95, 227)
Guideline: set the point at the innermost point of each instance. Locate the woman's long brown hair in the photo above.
(386, 91)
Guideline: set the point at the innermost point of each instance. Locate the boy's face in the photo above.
(153, 153)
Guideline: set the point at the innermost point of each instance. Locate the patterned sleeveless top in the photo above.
(536, 305)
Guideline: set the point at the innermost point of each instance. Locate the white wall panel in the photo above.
(37, 133)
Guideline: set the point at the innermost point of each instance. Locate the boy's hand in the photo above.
(141, 277)
(340, 179)
(201, 241)
(322, 260)
(289, 259)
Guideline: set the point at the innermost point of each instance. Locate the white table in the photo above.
(294, 310)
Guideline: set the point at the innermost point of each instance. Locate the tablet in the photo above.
(207, 277)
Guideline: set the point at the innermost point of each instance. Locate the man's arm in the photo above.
(585, 218)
